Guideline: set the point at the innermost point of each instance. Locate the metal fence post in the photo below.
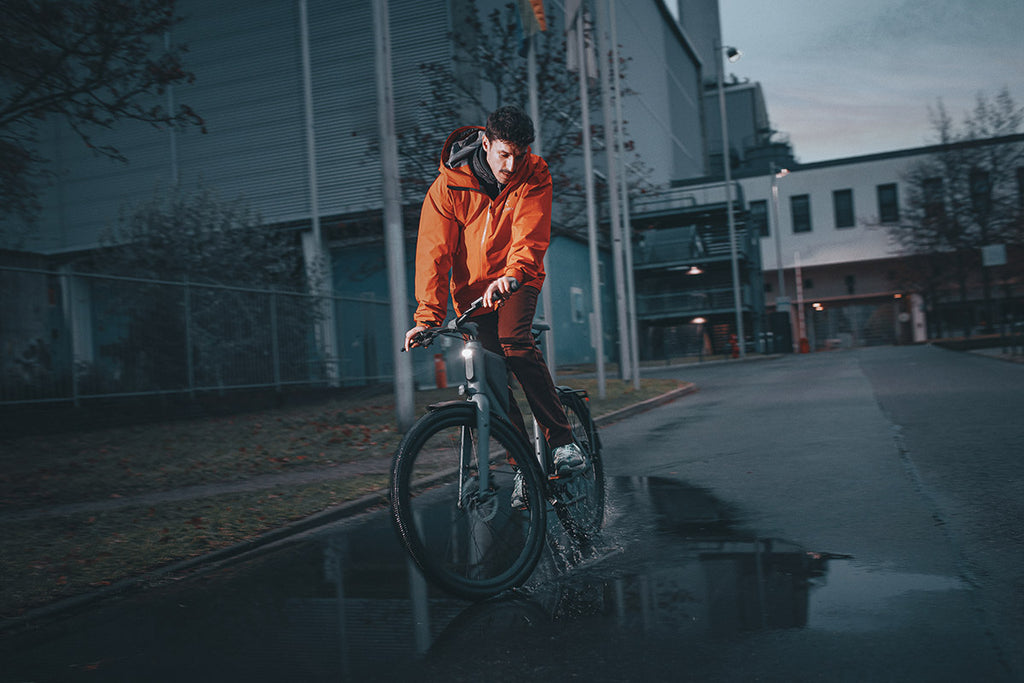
(69, 307)
(189, 369)
(274, 346)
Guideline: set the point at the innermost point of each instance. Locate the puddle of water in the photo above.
(674, 566)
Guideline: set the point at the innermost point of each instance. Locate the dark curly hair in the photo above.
(510, 124)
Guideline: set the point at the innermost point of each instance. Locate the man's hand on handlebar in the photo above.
(410, 337)
(499, 290)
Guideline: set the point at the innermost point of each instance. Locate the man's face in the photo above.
(503, 158)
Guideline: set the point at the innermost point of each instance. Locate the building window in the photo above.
(757, 218)
(842, 202)
(888, 204)
(934, 198)
(800, 205)
(576, 304)
(981, 191)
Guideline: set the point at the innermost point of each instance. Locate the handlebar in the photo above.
(458, 325)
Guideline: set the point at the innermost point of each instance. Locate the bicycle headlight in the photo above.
(468, 355)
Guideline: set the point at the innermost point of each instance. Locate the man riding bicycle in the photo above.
(484, 228)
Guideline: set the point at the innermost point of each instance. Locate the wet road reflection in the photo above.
(674, 583)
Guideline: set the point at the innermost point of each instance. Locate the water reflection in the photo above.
(673, 560)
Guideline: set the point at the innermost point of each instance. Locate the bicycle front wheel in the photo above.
(580, 497)
(473, 541)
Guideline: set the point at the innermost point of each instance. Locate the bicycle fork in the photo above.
(475, 382)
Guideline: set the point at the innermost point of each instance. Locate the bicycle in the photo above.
(453, 475)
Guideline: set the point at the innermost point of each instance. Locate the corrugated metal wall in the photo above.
(247, 58)
(345, 96)
(249, 90)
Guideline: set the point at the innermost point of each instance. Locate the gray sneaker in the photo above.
(518, 494)
(568, 458)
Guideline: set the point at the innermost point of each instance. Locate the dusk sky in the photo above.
(849, 78)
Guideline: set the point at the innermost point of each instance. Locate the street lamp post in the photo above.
(780, 319)
(780, 298)
(732, 54)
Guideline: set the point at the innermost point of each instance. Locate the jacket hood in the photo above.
(460, 146)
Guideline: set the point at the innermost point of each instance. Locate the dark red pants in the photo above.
(507, 331)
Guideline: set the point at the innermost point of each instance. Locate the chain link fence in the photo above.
(70, 336)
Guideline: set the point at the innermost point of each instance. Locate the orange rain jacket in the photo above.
(466, 240)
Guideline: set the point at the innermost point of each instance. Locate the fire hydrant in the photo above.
(734, 344)
(440, 371)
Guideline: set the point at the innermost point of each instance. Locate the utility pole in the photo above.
(394, 240)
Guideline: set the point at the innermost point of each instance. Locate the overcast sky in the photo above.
(848, 78)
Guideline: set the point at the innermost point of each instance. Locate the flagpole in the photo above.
(597, 329)
(625, 356)
(538, 149)
(627, 230)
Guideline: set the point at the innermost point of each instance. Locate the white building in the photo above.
(832, 229)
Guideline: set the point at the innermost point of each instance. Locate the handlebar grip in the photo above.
(418, 340)
(478, 303)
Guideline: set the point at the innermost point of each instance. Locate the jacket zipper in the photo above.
(487, 227)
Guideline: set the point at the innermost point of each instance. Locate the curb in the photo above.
(643, 406)
(1000, 356)
(245, 549)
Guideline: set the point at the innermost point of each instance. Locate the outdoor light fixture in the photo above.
(732, 54)
(700, 348)
(694, 270)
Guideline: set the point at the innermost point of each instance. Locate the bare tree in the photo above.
(89, 64)
(488, 70)
(962, 198)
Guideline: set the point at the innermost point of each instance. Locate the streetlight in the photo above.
(732, 54)
(781, 315)
(780, 299)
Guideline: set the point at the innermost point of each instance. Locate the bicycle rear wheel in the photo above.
(580, 497)
(471, 542)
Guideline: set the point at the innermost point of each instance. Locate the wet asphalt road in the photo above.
(843, 516)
